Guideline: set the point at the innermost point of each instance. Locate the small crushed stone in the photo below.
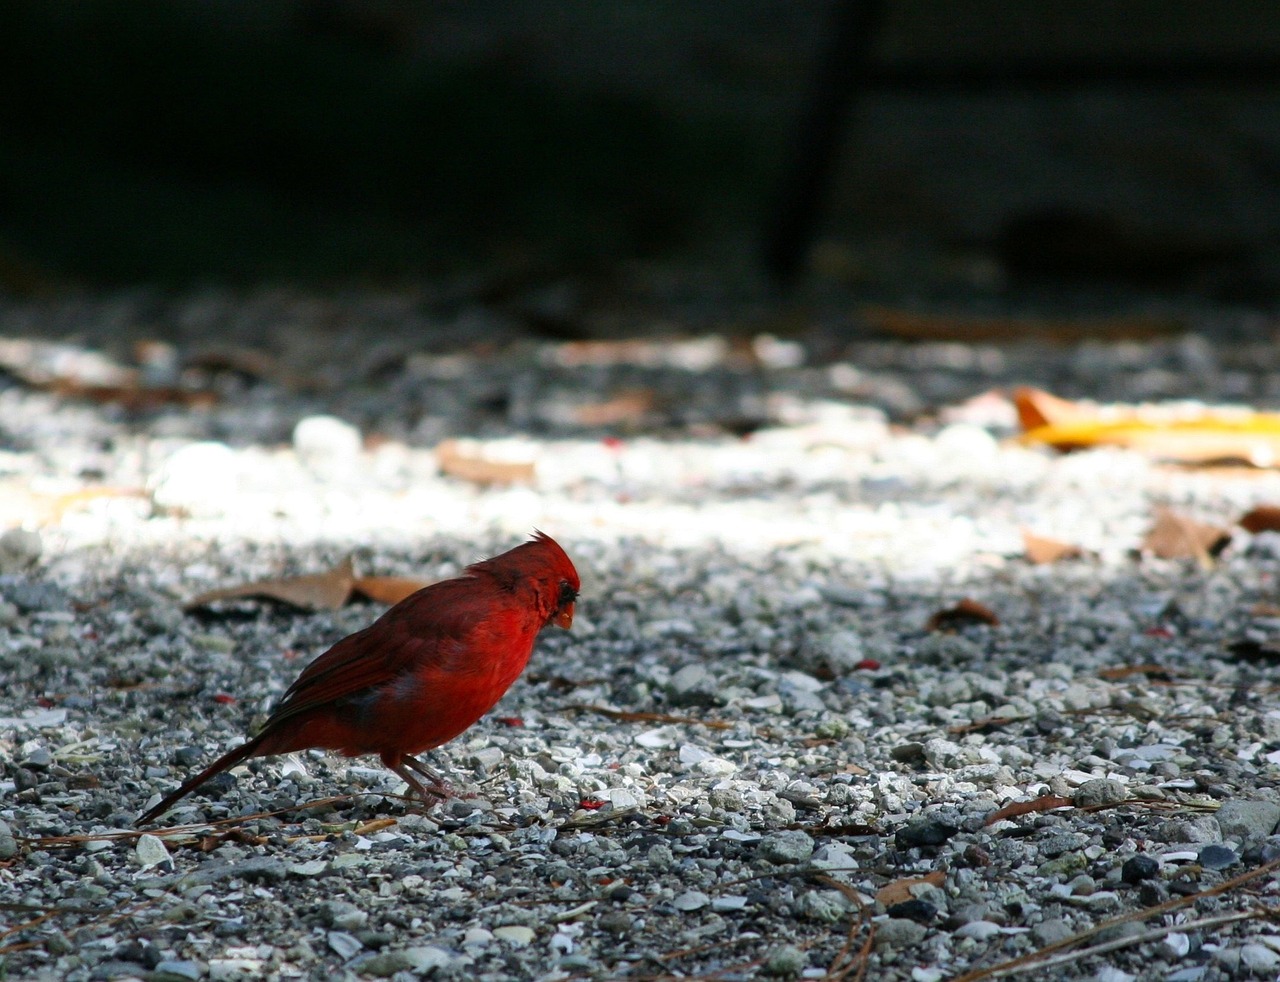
(791, 742)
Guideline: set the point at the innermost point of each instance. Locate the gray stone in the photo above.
(1099, 791)
(1248, 820)
(1259, 959)
(174, 970)
(19, 548)
(693, 685)
(1051, 931)
(1215, 856)
(899, 932)
(1203, 828)
(786, 962)
(786, 847)
(326, 445)
(826, 906)
(691, 900)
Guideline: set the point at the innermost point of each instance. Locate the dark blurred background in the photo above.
(982, 145)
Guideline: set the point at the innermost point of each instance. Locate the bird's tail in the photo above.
(253, 748)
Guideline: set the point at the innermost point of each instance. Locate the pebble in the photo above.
(327, 446)
(199, 480)
(978, 930)
(517, 935)
(785, 962)
(343, 944)
(898, 932)
(150, 851)
(1051, 931)
(173, 970)
(1139, 868)
(1248, 820)
(1100, 791)
(786, 847)
(19, 549)
(690, 900)
(1215, 856)
(927, 831)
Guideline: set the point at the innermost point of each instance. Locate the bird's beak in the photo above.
(563, 617)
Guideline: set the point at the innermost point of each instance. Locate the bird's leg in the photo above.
(432, 793)
(440, 786)
(430, 796)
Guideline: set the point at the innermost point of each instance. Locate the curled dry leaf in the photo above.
(1175, 536)
(317, 591)
(461, 460)
(1263, 518)
(899, 891)
(387, 589)
(1187, 434)
(1042, 804)
(963, 614)
(1041, 549)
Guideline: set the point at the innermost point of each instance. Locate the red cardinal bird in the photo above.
(421, 673)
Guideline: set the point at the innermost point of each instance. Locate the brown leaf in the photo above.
(1175, 536)
(900, 890)
(457, 459)
(963, 614)
(1263, 518)
(625, 407)
(1043, 804)
(387, 589)
(1041, 550)
(317, 591)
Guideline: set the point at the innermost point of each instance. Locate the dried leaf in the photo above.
(387, 589)
(1041, 550)
(1188, 434)
(918, 326)
(1175, 536)
(900, 890)
(1264, 518)
(1042, 804)
(963, 614)
(625, 407)
(317, 591)
(456, 459)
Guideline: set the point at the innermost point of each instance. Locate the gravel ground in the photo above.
(793, 778)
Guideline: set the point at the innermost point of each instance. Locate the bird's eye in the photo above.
(567, 593)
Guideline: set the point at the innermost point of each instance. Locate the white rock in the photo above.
(515, 934)
(199, 480)
(344, 945)
(326, 445)
(663, 736)
(978, 930)
(691, 900)
(150, 851)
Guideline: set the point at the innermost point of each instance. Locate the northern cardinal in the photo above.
(420, 674)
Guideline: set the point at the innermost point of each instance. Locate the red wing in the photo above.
(429, 625)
